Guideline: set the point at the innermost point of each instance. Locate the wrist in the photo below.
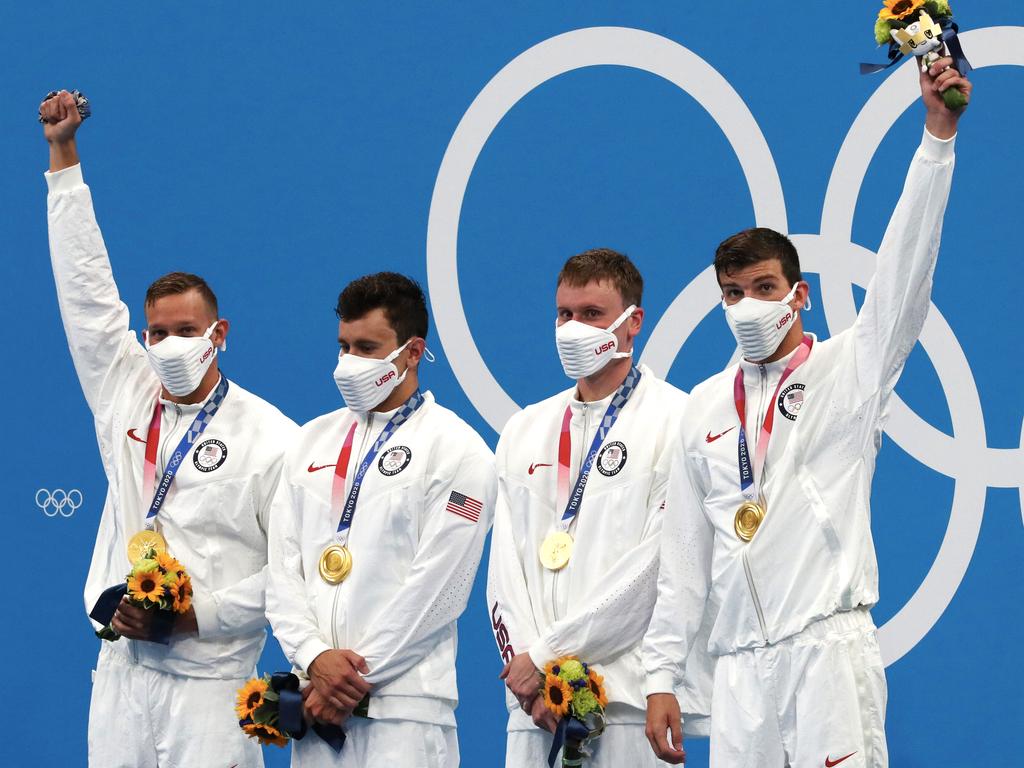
(941, 126)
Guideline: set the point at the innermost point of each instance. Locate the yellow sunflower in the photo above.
(596, 683)
(557, 694)
(250, 697)
(146, 586)
(181, 594)
(899, 9)
(168, 564)
(267, 734)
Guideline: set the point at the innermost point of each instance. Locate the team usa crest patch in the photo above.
(611, 459)
(209, 455)
(791, 400)
(394, 460)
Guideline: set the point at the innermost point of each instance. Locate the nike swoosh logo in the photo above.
(830, 763)
(314, 468)
(711, 439)
(133, 436)
(535, 466)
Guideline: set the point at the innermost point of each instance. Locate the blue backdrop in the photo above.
(282, 151)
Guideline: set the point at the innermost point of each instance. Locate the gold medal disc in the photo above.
(748, 519)
(555, 551)
(335, 564)
(142, 542)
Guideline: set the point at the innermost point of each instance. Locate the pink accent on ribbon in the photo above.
(341, 472)
(564, 459)
(152, 446)
(739, 395)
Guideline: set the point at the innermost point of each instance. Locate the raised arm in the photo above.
(897, 299)
(95, 318)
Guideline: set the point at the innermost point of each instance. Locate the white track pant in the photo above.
(381, 744)
(815, 699)
(141, 718)
(620, 746)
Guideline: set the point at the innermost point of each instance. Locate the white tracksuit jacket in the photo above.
(215, 522)
(599, 605)
(413, 560)
(813, 555)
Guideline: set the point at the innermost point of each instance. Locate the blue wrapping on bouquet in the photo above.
(571, 732)
(290, 712)
(161, 625)
(948, 36)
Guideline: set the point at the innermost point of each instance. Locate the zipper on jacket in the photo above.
(754, 597)
(337, 591)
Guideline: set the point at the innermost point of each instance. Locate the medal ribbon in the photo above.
(347, 509)
(574, 501)
(198, 426)
(748, 474)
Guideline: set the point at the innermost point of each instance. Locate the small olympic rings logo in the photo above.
(58, 501)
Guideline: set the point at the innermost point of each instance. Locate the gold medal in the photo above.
(748, 519)
(335, 564)
(142, 542)
(556, 551)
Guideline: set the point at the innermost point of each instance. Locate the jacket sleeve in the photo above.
(441, 576)
(294, 624)
(95, 318)
(684, 581)
(897, 299)
(104, 553)
(508, 597)
(241, 607)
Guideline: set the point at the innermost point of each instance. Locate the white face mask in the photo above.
(584, 350)
(180, 362)
(759, 326)
(366, 382)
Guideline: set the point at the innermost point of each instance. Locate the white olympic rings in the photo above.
(55, 502)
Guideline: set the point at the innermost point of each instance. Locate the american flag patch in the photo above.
(464, 506)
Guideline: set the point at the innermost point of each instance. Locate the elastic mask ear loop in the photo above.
(428, 355)
(223, 346)
(622, 318)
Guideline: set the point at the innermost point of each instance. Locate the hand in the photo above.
(60, 118)
(542, 716)
(662, 716)
(131, 621)
(522, 677)
(336, 675)
(316, 708)
(186, 623)
(942, 121)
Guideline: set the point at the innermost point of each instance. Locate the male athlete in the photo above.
(377, 532)
(192, 461)
(768, 517)
(582, 479)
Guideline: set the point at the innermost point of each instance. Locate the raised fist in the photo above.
(60, 118)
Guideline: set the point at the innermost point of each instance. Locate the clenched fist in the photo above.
(60, 118)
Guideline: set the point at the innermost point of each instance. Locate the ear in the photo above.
(803, 295)
(414, 352)
(219, 337)
(634, 323)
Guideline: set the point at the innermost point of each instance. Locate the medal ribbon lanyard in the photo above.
(347, 509)
(198, 426)
(574, 501)
(750, 477)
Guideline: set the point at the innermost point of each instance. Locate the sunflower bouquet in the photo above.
(270, 709)
(258, 710)
(575, 693)
(156, 582)
(921, 28)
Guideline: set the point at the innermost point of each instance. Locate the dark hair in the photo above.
(755, 245)
(604, 264)
(400, 297)
(175, 283)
